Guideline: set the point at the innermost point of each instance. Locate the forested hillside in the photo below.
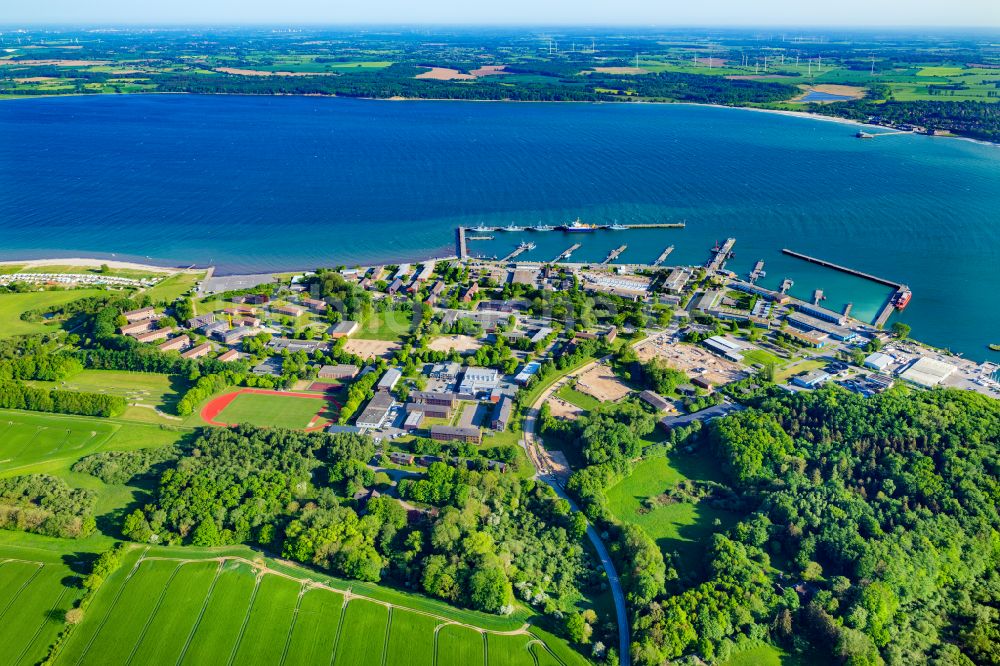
(873, 534)
(478, 538)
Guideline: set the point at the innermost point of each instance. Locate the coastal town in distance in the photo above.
(317, 348)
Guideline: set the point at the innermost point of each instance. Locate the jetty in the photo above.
(818, 296)
(720, 255)
(663, 256)
(847, 309)
(614, 254)
(786, 284)
(463, 249)
(523, 247)
(842, 269)
(572, 248)
(889, 306)
(657, 225)
(757, 270)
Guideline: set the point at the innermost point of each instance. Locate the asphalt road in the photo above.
(543, 473)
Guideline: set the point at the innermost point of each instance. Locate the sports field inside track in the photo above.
(310, 411)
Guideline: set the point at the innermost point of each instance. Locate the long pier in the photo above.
(718, 261)
(572, 248)
(614, 254)
(463, 249)
(757, 270)
(663, 256)
(657, 225)
(843, 269)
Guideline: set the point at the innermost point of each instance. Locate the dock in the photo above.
(757, 270)
(720, 255)
(889, 306)
(818, 296)
(463, 249)
(847, 309)
(572, 248)
(614, 254)
(657, 225)
(786, 284)
(663, 256)
(842, 269)
(523, 247)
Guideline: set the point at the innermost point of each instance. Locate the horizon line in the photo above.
(203, 23)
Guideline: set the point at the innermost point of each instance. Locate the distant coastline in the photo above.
(784, 112)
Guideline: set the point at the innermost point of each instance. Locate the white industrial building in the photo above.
(926, 371)
(878, 361)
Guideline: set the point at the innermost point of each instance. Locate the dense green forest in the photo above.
(870, 531)
(46, 505)
(475, 538)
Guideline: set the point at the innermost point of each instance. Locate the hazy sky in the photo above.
(973, 13)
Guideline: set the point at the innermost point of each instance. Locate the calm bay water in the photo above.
(263, 184)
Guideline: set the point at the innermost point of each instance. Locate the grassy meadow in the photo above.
(171, 288)
(578, 398)
(13, 305)
(681, 527)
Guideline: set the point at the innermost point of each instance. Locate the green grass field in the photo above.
(32, 603)
(171, 288)
(796, 368)
(157, 609)
(147, 392)
(682, 526)
(761, 357)
(390, 325)
(12, 305)
(578, 398)
(272, 410)
(32, 443)
(769, 655)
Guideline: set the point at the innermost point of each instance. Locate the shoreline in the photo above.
(785, 112)
(95, 262)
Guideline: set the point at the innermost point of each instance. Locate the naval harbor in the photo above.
(808, 321)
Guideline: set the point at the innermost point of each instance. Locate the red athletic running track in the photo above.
(211, 411)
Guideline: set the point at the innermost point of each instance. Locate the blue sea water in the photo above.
(277, 183)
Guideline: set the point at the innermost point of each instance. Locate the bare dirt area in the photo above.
(444, 74)
(460, 343)
(690, 359)
(711, 62)
(260, 72)
(561, 409)
(371, 348)
(853, 92)
(601, 383)
(35, 79)
(488, 70)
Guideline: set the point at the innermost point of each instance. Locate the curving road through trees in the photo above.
(545, 471)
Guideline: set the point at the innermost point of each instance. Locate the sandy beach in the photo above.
(87, 262)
